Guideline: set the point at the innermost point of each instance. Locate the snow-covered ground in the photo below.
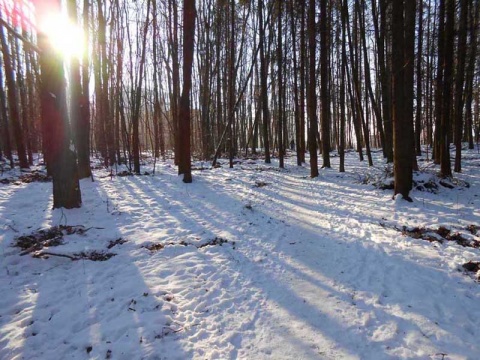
(251, 263)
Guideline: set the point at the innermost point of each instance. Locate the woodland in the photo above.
(239, 179)
(211, 79)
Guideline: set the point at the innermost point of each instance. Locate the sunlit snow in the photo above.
(253, 262)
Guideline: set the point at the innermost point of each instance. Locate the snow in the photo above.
(311, 268)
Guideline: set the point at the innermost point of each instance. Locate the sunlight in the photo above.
(66, 37)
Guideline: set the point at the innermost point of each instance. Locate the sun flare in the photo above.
(65, 36)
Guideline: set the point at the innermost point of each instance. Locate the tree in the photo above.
(311, 96)
(79, 101)
(263, 85)
(281, 95)
(189, 15)
(62, 160)
(385, 74)
(4, 124)
(324, 88)
(474, 21)
(12, 101)
(402, 136)
(297, 111)
(447, 64)
(459, 80)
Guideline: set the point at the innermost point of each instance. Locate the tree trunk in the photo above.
(409, 75)
(385, 78)
(402, 148)
(189, 14)
(281, 99)
(231, 83)
(343, 104)
(474, 21)
(460, 76)
(5, 133)
(303, 60)
(12, 102)
(79, 103)
(66, 189)
(445, 164)
(298, 128)
(311, 96)
(263, 86)
(418, 116)
(324, 88)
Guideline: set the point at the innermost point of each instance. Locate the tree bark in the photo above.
(460, 76)
(402, 148)
(418, 115)
(263, 85)
(12, 102)
(311, 96)
(445, 164)
(79, 102)
(63, 164)
(189, 14)
(324, 88)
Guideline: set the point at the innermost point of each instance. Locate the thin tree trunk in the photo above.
(460, 76)
(445, 164)
(402, 147)
(474, 21)
(4, 126)
(189, 14)
(324, 88)
(281, 98)
(311, 97)
(12, 102)
(298, 128)
(263, 86)
(418, 116)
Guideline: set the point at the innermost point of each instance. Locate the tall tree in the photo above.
(13, 110)
(410, 7)
(138, 97)
(402, 146)
(324, 88)
(79, 102)
(263, 84)
(53, 102)
(231, 82)
(447, 63)
(4, 127)
(418, 115)
(303, 65)
(281, 98)
(459, 80)
(474, 21)
(311, 96)
(189, 15)
(298, 128)
(381, 32)
(341, 149)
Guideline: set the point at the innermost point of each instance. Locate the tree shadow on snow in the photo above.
(355, 287)
(86, 309)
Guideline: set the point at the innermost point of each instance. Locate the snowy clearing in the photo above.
(253, 262)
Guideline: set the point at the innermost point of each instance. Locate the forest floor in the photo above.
(253, 262)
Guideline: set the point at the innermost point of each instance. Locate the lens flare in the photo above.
(65, 37)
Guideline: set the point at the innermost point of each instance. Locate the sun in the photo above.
(65, 36)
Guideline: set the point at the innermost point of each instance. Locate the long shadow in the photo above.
(21, 207)
(319, 272)
(389, 305)
(89, 309)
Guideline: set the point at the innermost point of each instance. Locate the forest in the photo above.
(259, 76)
(239, 179)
